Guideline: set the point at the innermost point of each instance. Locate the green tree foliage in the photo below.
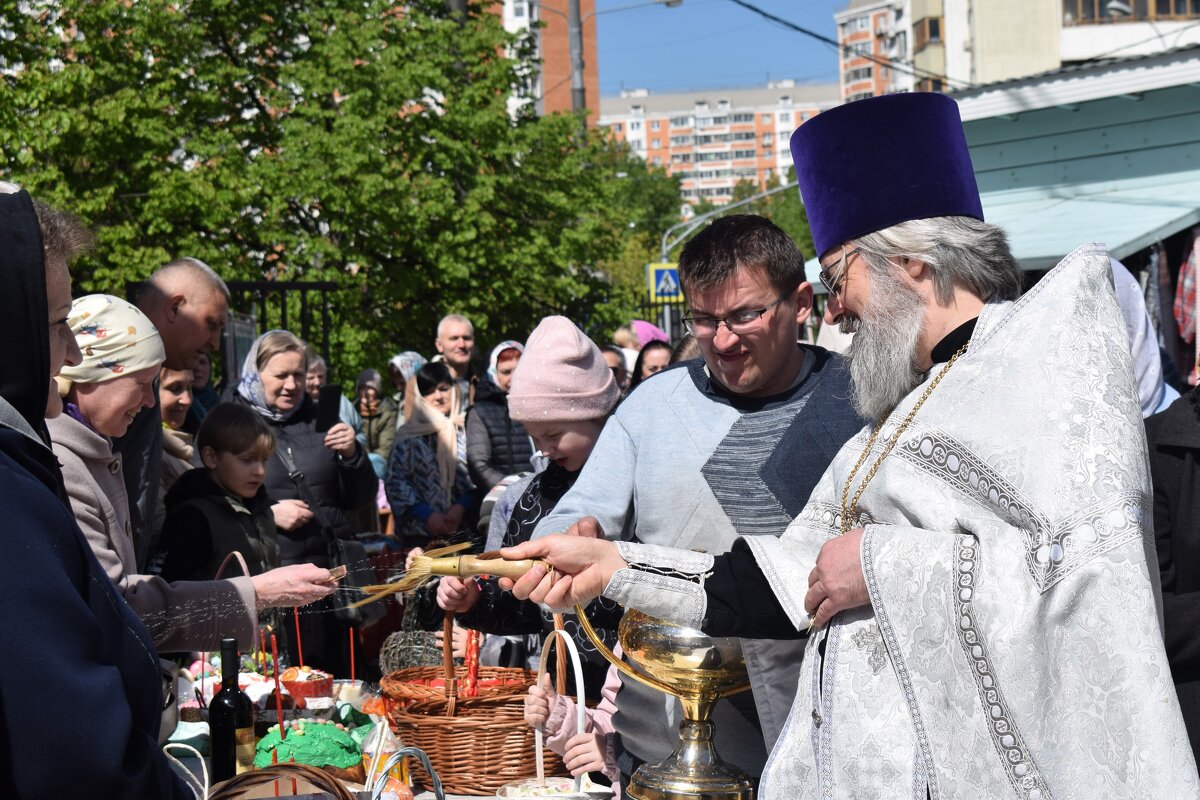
(784, 208)
(392, 150)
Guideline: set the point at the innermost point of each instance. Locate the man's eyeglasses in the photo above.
(738, 322)
(833, 285)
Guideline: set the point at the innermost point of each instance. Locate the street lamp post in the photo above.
(689, 225)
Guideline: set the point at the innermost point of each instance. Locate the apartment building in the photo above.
(953, 45)
(552, 86)
(713, 139)
(874, 34)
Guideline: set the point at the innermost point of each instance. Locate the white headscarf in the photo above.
(115, 337)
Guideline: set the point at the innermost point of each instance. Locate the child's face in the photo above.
(237, 473)
(567, 444)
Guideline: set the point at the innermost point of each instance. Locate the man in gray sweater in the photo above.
(716, 448)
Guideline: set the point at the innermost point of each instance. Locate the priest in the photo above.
(971, 570)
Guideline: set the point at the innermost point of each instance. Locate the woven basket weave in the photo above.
(476, 744)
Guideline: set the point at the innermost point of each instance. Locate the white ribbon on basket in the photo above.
(580, 717)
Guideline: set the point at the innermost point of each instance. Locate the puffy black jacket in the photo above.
(496, 446)
(338, 486)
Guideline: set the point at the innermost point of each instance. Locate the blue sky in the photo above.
(712, 43)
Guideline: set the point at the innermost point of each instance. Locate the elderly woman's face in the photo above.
(64, 350)
(110, 406)
(283, 381)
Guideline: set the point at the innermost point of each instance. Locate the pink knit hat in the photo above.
(562, 376)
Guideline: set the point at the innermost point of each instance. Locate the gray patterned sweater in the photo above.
(684, 463)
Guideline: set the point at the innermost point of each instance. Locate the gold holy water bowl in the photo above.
(698, 669)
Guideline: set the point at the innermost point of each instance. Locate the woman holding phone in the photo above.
(314, 479)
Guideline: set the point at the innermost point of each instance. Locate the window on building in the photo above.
(1077, 12)
(741, 119)
(744, 154)
(859, 74)
(926, 32)
(616, 127)
(635, 125)
(655, 125)
(785, 116)
(768, 140)
(655, 144)
(929, 85)
(680, 122)
(656, 161)
(518, 9)
(766, 119)
(863, 96)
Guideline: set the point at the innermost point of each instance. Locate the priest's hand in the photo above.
(582, 566)
(836, 583)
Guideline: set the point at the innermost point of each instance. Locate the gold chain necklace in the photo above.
(847, 508)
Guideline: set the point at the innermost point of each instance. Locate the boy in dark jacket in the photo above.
(224, 507)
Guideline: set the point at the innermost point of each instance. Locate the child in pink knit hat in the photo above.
(562, 392)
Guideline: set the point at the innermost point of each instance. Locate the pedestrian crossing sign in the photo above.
(663, 281)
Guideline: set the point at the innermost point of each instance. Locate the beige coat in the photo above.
(185, 615)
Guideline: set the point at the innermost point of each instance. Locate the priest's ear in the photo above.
(916, 268)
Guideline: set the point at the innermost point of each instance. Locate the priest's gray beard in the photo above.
(883, 354)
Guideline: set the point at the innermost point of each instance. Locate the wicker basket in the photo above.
(476, 744)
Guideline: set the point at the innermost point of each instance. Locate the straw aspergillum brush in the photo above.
(439, 562)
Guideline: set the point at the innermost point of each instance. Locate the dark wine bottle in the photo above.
(231, 720)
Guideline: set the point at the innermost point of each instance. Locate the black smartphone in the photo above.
(329, 407)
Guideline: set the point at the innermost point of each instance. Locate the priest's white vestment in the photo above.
(1012, 647)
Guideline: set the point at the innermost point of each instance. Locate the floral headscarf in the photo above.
(115, 338)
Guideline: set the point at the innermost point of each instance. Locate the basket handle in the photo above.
(560, 664)
(451, 686)
(559, 635)
(397, 758)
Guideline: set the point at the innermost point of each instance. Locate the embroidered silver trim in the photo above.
(681, 600)
(1052, 552)
(898, 663)
(828, 667)
(669, 561)
(1022, 772)
(827, 515)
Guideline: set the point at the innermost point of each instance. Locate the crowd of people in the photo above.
(936, 548)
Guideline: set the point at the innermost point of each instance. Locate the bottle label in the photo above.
(244, 749)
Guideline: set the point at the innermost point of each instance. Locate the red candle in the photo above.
(299, 648)
(352, 654)
(278, 696)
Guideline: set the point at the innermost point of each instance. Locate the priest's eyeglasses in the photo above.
(738, 322)
(834, 285)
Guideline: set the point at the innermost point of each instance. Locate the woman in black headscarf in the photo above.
(80, 685)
